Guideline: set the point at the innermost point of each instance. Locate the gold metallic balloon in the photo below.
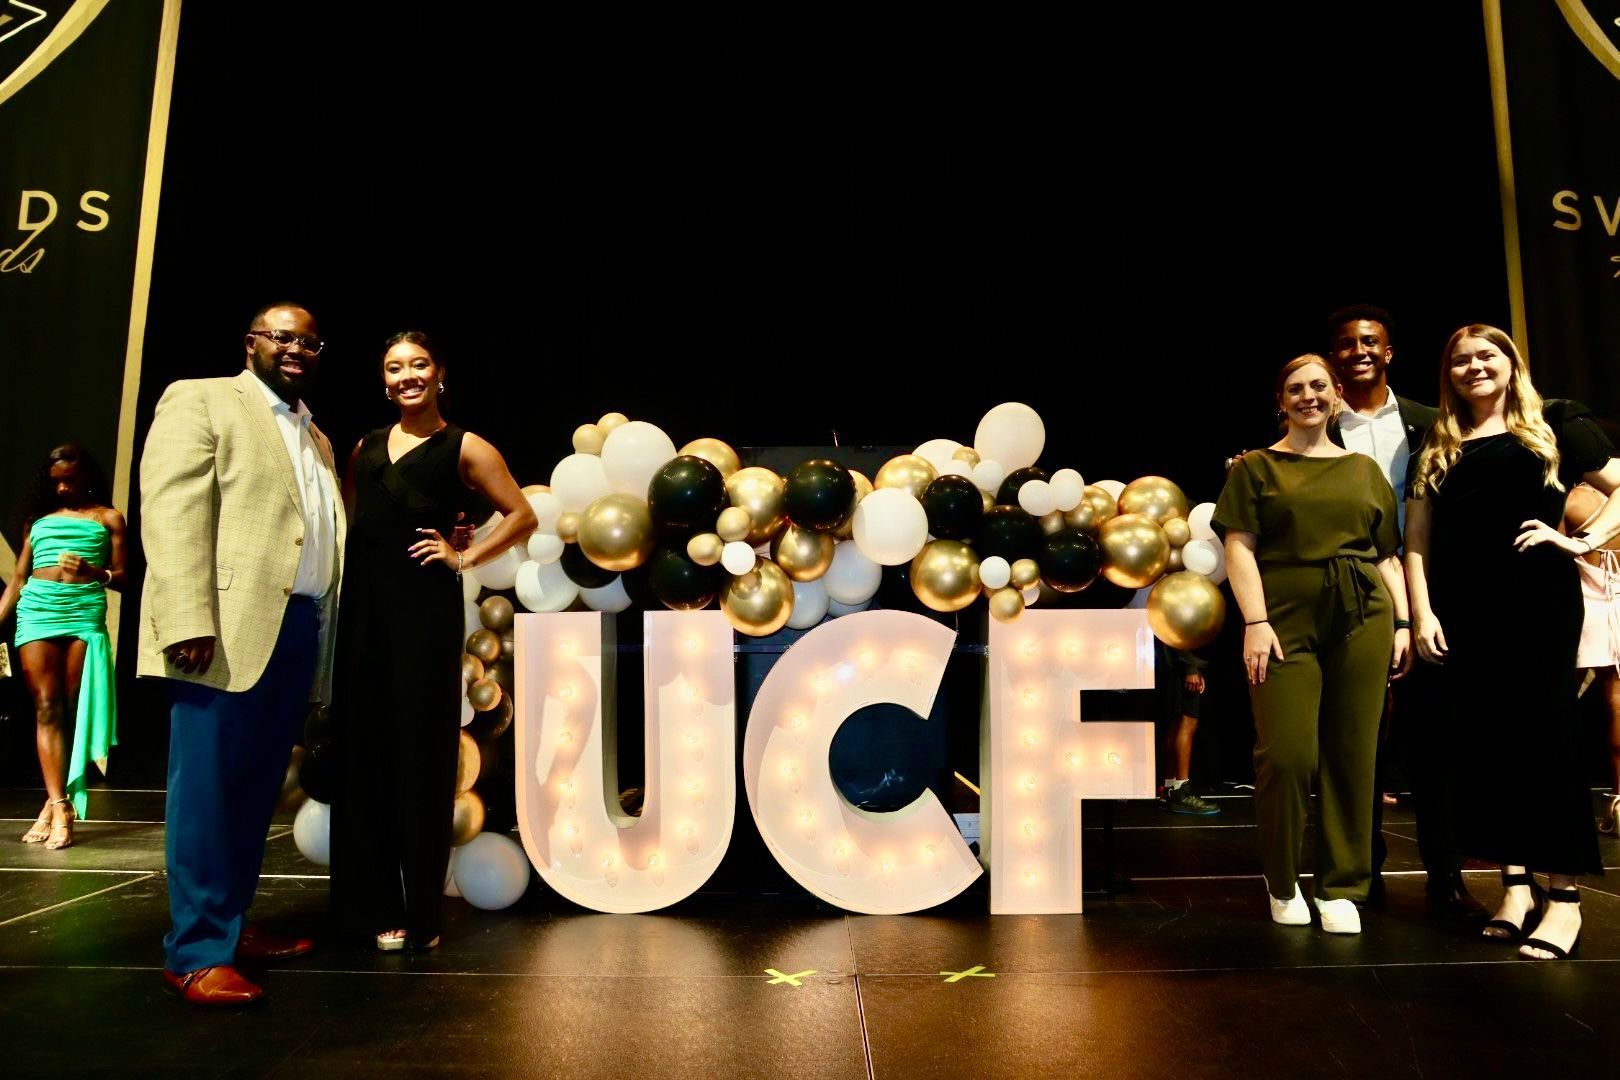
(945, 575)
(988, 498)
(588, 439)
(1186, 610)
(568, 526)
(1053, 522)
(967, 454)
(1177, 531)
(705, 548)
(496, 614)
(610, 421)
(1006, 604)
(1096, 506)
(468, 764)
(759, 602)
(863, 488)
(716, 453)
(1025, 572)
(485, 645)
(472, 668)
(908, 472)
(292, 796)
(1135, 551)
(1154, 497)
(733, 524)
(760, 492)
(1174, 563)
(803, 554)
(484, 694)
(468, 819)
(616, 532)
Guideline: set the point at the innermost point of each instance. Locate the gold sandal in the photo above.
(391, 941)
(61, 836)
(41, 829)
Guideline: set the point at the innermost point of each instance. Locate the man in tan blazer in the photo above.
(242, 521)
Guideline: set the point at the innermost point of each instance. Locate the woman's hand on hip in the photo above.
(1260, 644)
(1431, 639)
(432, 548)
(1400, 661)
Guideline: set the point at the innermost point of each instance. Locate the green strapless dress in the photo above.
(53, 609)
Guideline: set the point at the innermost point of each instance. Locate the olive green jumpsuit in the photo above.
(1321, 526)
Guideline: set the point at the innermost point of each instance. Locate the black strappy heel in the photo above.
(1531, 917)
(1556, 896)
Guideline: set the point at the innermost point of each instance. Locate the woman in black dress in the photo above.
(1497, 601)
(398, 671)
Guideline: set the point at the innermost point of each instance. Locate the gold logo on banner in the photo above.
(1600, 40)
(36, 210)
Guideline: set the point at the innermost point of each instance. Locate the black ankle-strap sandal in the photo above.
(1511, 932)
(1556, 896)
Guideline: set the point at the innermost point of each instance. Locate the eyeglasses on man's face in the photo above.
(286, 339)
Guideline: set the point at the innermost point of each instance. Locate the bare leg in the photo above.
(1561, 924)
(1184, 745)
(43, 671)
(1517, 903)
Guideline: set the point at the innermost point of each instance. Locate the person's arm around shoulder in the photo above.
(178, 526)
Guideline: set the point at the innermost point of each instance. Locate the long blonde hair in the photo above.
(1522, 415)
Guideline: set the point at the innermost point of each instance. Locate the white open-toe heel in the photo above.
(1291, 912)
(1339, 916)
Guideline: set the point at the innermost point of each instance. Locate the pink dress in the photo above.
(1600, 631)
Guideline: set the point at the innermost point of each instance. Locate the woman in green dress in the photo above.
(73, 553)
(1312, 554)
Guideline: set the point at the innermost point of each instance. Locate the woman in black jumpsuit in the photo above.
(398, 666)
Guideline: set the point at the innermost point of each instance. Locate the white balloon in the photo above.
(835, 609)
(1198, 522)
(543, 587)
(1012, 434)
(989, 475)
(450, 888)
(547, 508)
(467, 711)
(1068, 488)
(937, 452)
(611, 598)
(852, 578)
(471, 618)
(491, 871)
(1032, 594)
(1205, 557)
(956, 467)
(545, 547)
(890, 526)
(470, 588)
(809, 604)
(631, 455)
(738, 558)
(312, 832)
(1113, 487)
(1036, 497)
(579, 480)
(501, 571)
(995, 572)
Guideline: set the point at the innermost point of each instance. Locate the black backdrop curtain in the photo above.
(774, 223)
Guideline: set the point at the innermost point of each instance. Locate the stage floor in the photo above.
(1180, 976)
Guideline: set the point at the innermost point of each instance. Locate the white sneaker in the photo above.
(1292, 912)
(1339, 916)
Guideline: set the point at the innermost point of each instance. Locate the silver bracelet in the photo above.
(458, 566)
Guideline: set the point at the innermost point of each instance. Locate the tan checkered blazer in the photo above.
(222, 524)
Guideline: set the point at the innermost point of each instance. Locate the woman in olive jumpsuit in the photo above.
(1312, 549)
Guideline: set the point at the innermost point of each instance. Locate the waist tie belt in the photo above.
(1349, 585)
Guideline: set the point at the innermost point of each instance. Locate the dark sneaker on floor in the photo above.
(1181, 800)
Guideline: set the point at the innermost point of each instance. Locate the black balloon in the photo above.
(492, 724)
(581, 571)
(954, 508)
(318, 729)
(317, 775)
(1007, 494)
(685, 496)
(501, 672)
(820, 495)
(1070, 560)
(1011, 532)
(681, 584)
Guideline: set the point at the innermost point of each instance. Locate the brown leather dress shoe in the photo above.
(258, 944)
(214, 986)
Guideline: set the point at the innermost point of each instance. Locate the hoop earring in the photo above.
(387, 395)
(441, 386)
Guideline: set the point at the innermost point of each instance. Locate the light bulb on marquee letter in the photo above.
(1040, 761)
(567, 784)
(880, 864)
